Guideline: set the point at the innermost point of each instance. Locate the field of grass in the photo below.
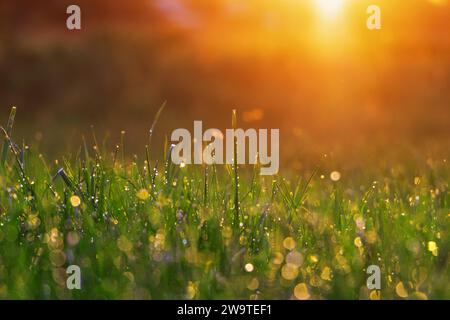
(141, 229)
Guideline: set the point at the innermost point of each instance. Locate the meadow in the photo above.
(146, 229)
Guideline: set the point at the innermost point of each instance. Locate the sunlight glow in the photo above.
(329, 8)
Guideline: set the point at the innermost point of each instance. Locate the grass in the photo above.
(139, 229)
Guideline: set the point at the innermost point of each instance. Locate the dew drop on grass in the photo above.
(277, 258)
(191, 290)
(301, 291)
(142, 194)
(289, 271)
(314, 258)
(374, 295)
(72, 238)
(358, 242)
(433, 248)
(289, 243)
(335, 176)
(124, 244)
(400, 290)
(295, 258)
(75, 201)
(326, 274)
(253, 284)
(419, 296)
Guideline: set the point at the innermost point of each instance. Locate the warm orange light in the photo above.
(329, 8)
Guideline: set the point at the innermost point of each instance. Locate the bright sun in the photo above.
(329, 8)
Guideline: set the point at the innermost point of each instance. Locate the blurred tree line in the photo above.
(207, 57)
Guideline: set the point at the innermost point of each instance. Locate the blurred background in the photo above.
(308, 67)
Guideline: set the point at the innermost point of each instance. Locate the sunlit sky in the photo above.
(265, 26)
(329, 8)
(310, 63)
